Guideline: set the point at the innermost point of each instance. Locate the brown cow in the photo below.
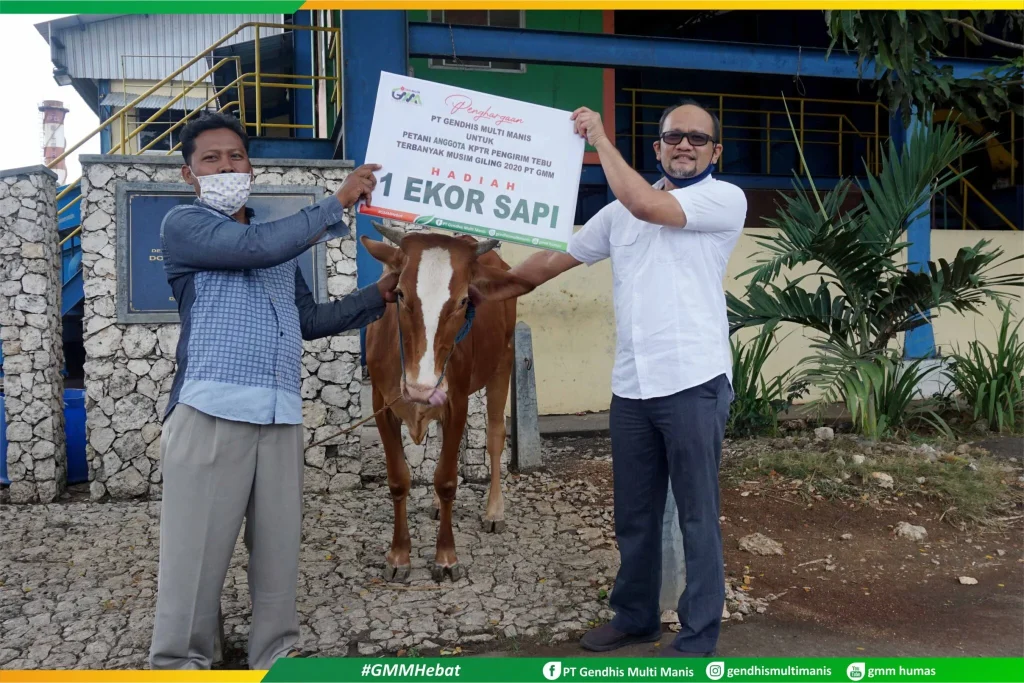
(415, 365)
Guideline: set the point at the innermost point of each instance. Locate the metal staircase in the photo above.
(251, 80)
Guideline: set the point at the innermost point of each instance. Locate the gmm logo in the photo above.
(403, 95)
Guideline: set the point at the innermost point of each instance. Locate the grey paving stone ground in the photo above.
(78, 580)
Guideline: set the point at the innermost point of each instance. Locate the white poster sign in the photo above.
(474, 163)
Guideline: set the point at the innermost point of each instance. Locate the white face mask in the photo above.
(224, 192)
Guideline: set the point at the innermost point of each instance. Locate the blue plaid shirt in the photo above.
(245, 309)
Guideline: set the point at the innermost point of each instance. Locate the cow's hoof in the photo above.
(455, 572)
(493, 526)
(435, 513)
(398, 574)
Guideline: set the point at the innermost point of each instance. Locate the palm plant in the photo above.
(865, 296)
(992, 382)
(757, 402)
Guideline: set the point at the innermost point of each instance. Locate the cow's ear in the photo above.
(494, 284)
(391, 257)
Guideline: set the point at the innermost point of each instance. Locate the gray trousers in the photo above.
(215, 472)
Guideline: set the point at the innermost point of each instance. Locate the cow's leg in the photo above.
(497, 393)
(445, 483)
(390, 429)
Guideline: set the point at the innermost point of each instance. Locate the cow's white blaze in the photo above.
(432, 286)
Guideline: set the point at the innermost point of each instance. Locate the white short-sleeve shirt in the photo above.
(672, 332)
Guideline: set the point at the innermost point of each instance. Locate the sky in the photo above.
(26, 79)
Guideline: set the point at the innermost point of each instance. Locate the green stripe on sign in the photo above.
(514, 237)
(149, 6)
(649, 670)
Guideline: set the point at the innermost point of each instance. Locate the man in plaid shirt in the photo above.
(232, 443)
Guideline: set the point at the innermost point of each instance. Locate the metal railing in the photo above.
(258, 81)
(810, 116)
(767, 116)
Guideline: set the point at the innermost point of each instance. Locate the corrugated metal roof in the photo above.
(152, 45)
(118, 99)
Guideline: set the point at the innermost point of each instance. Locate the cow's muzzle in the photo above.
(425, 395)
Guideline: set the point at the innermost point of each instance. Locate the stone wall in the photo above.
(31, 329)
(129, 367)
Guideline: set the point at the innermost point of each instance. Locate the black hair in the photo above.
(209, 121)
(716, 126)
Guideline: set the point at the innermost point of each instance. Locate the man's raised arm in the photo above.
(543, 266)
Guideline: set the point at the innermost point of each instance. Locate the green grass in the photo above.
(509, 644)
(966, 494)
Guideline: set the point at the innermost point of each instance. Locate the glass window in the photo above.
(469, 17)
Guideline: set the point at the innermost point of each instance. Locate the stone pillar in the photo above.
(673, 555)
(31, 329)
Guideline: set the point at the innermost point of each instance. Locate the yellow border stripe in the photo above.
(665, 4)
(131, 676)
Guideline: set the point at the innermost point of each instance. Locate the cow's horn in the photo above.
(393, 234)
(485, 246)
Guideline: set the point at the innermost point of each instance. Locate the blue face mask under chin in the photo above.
(686, 182)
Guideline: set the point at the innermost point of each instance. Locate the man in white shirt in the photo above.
(669, 245)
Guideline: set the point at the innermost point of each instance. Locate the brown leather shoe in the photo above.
(607, 637)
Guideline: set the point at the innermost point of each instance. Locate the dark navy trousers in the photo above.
(678, 436)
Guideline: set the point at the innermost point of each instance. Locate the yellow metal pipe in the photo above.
(801, 160)
(840, 165)
(69, 204)
(147, 93)
(291, 86)
(259, 102)
(852, 127)
(241, 103)
(292, 76)
(748, 97)
(74, 233)
(289, 125)
(632, 133)
(721, 124)
(737, 110)
(67, 189)
(191, 114)
(337, 75)
(177, 97)
(830, 143)
(878, 161)
(746, 127)
(986, 202)
(167, 79)
(727, 138)
(178, 144)
(963, 213)
(179, 123)
(1013, 149)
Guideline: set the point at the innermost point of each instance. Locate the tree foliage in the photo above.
(902, 44)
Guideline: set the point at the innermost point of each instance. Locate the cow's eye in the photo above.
(464, 302)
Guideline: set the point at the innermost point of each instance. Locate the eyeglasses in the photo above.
(674, 137)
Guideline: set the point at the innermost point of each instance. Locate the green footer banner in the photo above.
(597, 670)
